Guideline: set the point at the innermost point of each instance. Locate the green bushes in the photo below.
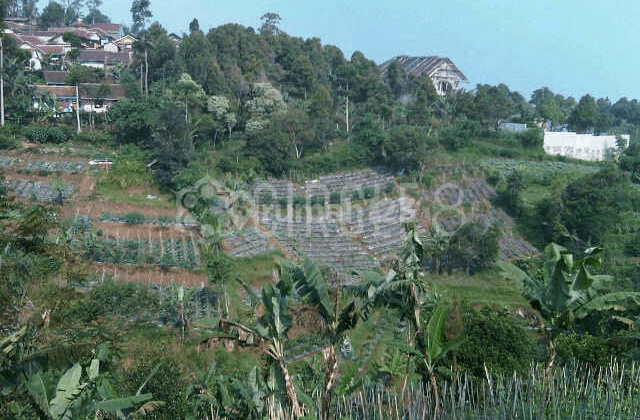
(46, 134)
(134, 218)
(588, 348)
(8, 136)
(533, 138)
(459, 134)
(496, 340)
(93, 137)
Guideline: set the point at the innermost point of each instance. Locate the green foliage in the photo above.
(509, 193)
(52, 15)
(532, 138)
(592, 205)
(133, 121)
(134, 218)
(93, 137)
(128, 170)
(272, 148)
(473, 247)
(46, 134)
(497, 341)
(593, 350)
(406, 147)
(459, 134)
(9, 136)
(140, 13)
(585, 115)
(113, 298)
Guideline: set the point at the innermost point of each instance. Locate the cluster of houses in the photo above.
(101, 46)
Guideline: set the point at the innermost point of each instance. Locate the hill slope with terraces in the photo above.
(344, 221)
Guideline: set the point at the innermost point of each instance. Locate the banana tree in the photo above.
(214, 394)
(565, 290)
(269, 336)
(404, 289)
(429, 350)
(311, 287)
(80, 391)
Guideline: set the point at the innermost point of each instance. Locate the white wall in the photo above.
(580, 146)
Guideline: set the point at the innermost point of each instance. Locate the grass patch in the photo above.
(486, 288)
(116, 194)
(257, 270)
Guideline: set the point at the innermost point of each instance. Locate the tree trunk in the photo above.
(550, 358)
(146, 74)
(329, 380)
(1, 83)
(436, 397)
(291, 391)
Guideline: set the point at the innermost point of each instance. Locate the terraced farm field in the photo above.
(40, 191)
(360, 225)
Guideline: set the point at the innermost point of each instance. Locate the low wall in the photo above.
(580, 146)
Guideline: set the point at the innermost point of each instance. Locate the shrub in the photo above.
(389, 187)
(298, 201)
(533, 138)
(46, 134)
(588, 349)
(460, 134)
(93, 137)
(496, 340)
(134, 218)
(266, 198)
(8, 136)
(369, 192)
(317, 199)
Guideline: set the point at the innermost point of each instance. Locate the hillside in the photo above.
(256, 226)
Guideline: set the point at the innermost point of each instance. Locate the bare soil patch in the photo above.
(150, 274)
(143, 231)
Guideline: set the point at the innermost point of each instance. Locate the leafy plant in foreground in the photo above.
(564, 291)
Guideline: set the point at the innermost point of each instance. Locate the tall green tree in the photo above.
(52, 15)
(93, 7)
(585, 116)
(140, 14)
(592, 205)
(188, 91)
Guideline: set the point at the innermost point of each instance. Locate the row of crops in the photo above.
(321, 240)
(7, 162)
(380, 226)
(137, 218)
(536, 171)
(336, 185)
(168, 253)
(41, 165)
(247, 243)
(41, 191)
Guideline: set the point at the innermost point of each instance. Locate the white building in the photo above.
(582, 146)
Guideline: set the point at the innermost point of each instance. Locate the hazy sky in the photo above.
(573, 47)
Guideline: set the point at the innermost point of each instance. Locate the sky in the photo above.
(573, 47)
